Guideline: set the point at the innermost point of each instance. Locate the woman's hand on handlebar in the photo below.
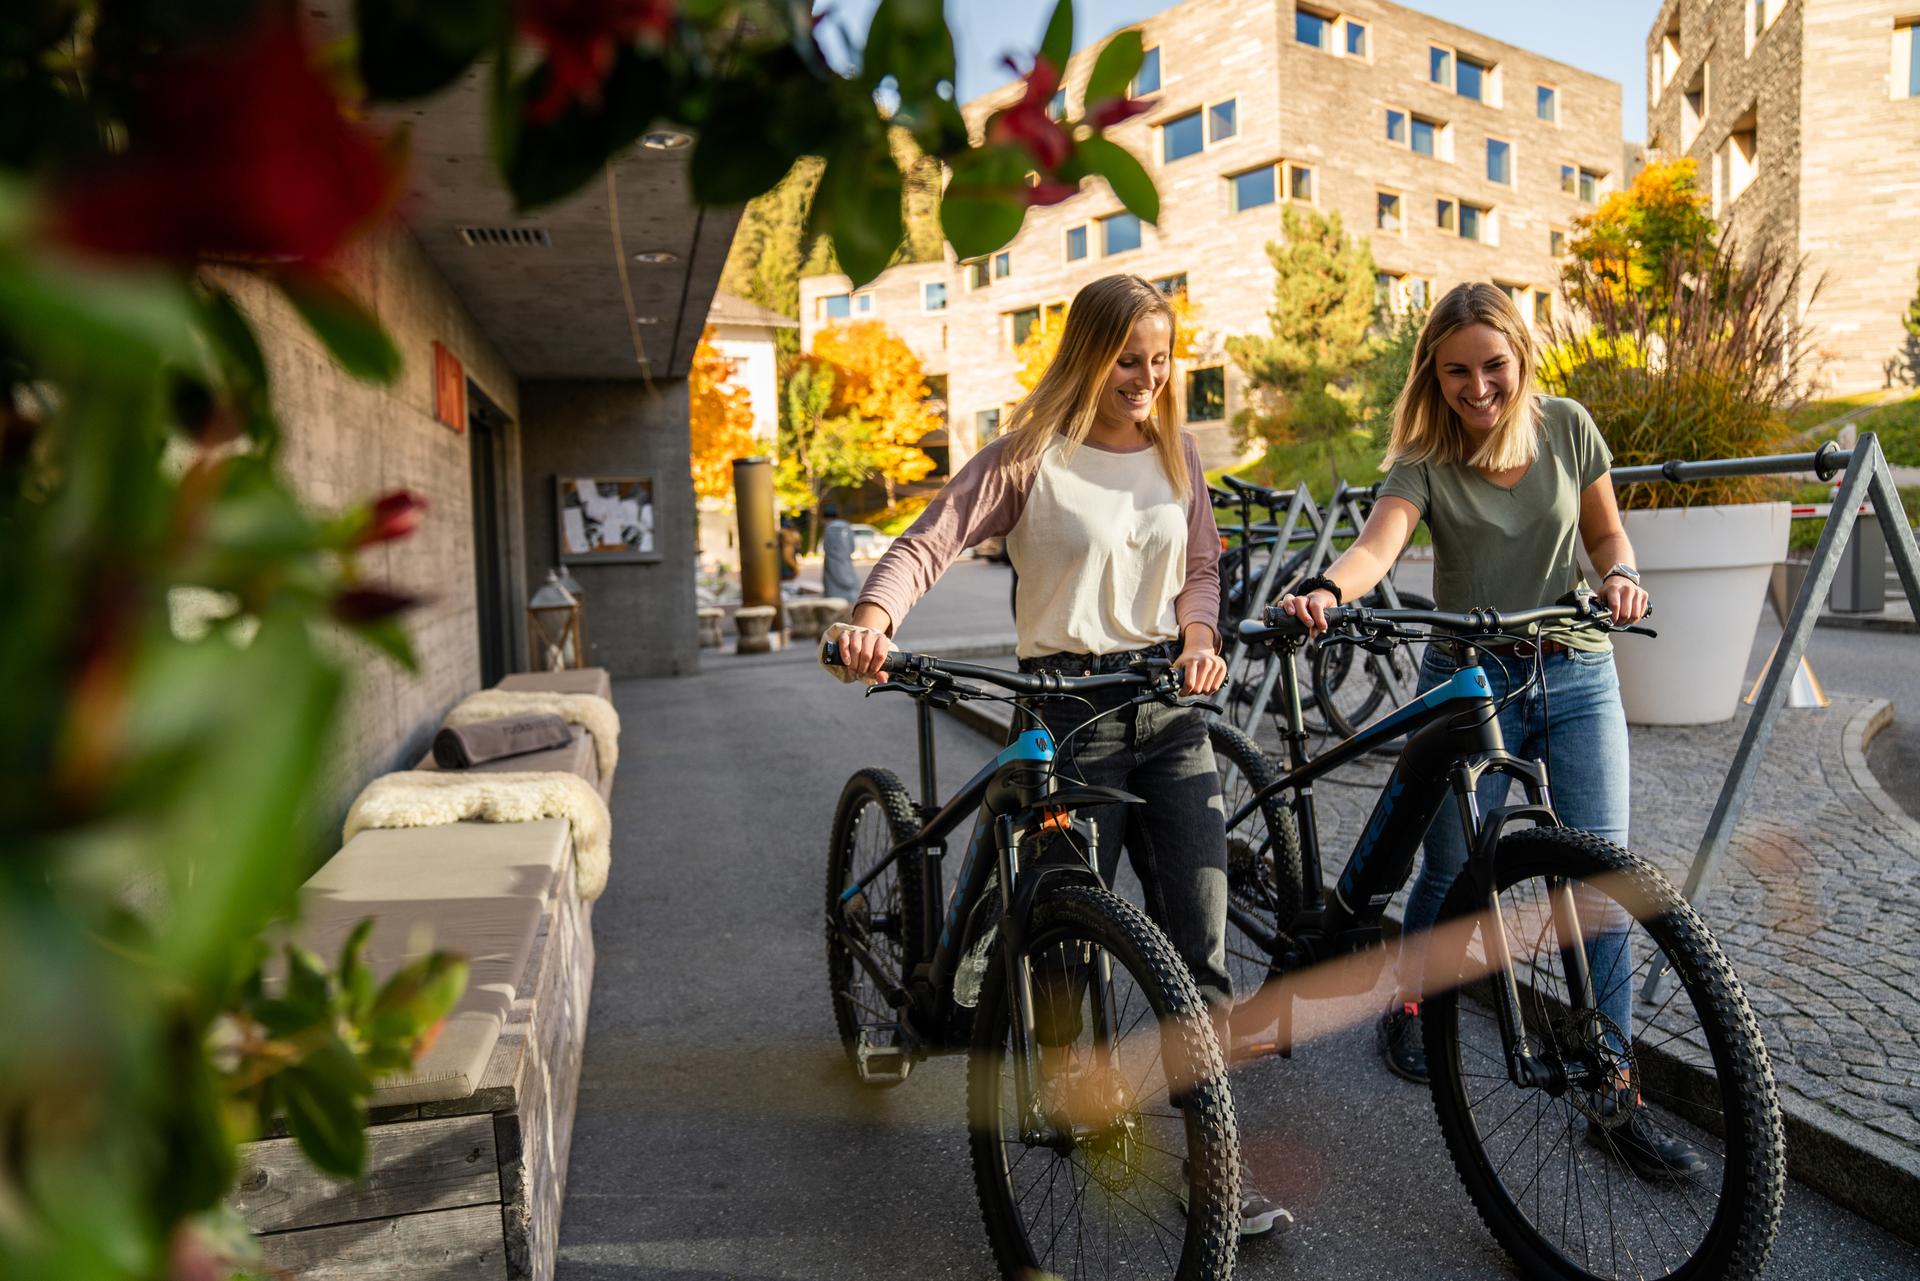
(1625, 599)
(1310, 609)
(863, 644)
(1202, 670)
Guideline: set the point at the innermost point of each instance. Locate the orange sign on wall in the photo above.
(449, 389)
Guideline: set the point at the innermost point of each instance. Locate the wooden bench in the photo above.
(467, 1154)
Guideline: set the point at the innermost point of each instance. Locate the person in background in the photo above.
(1101, 499)
(836, 550)
(1511, 483)
(789, 541)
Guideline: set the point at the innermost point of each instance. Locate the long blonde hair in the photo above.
(1066, 400)
(1425, 428)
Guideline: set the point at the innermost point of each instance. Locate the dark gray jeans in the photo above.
(1177, 841)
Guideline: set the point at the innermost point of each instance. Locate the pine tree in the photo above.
(1910, 350)
(1300, 376)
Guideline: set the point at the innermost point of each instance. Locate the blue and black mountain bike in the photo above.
(1101, 1128)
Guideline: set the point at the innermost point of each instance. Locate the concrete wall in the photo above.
(641, 618)
(346, 441)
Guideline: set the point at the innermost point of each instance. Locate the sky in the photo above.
(1607, 39)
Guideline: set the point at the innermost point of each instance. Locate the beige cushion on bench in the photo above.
(580, 680)
(474, 888)
(577, 757)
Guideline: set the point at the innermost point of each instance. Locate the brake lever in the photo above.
(1637, 630)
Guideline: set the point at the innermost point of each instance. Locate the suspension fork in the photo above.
(1013, 941)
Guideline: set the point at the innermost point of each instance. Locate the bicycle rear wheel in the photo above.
(875, 813)
(1548, 1168)
(1090, 1183)
(1264, 882)
(1352, 685)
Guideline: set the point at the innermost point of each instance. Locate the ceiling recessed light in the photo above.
(654, 257)
(664, 140)
(646, 320)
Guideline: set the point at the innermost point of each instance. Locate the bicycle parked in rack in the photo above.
(1097, 1099)
(1535, 1088)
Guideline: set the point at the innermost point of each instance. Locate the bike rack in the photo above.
(1868, 478)
(1301, 504)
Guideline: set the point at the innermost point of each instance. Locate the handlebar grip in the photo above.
(830, 657)
(830, 653)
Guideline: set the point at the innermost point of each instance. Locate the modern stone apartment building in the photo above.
(1461, 157)
(1805, 118)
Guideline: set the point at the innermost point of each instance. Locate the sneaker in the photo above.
(1648, 1150)
(1403, 1044)
(1257, 1214)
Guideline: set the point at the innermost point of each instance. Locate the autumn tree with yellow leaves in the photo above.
(879, 397)
(721, 419)
(1644, 236)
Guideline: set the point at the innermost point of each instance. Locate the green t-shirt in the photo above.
(1511, 548)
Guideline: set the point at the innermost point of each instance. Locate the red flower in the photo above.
(581, 38)
(1049, 192)
(239, 150)
(1028, 122)
(1109, 112)
(394, 515)
(370, 604)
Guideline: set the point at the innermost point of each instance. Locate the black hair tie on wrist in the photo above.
(1319, 583)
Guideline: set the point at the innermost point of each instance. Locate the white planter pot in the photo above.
(1706, 569)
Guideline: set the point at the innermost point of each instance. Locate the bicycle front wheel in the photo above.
(1566, 1173)
(1093, 1171)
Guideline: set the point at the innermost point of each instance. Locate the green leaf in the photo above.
(736, 156)
(1057, 45)
(910, 42)
(1114, 70)
(390, 637)
(351, 332)
(543, 163)
(309, 986)
(858, 204)
(356, 978)
(408, 48)
(985, 202)
(322, 1099)
(412, 1002)
(1124, 173)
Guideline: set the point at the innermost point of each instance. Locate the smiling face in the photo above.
(1478, 373)
(1137, 374)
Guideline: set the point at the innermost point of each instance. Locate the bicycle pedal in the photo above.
(881, 1057)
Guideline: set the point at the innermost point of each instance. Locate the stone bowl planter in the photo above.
(1706, 569)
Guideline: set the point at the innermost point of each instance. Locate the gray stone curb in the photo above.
(1868, 1173)
(1888, 622)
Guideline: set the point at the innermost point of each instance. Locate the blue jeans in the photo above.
(1581, 730)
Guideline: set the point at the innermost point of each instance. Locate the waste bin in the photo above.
(1860, 583)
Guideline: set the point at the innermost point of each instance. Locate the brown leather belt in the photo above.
(1524, 649)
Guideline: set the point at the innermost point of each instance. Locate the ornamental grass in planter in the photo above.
(1701, 363)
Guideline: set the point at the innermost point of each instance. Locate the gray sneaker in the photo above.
(1257, 1214)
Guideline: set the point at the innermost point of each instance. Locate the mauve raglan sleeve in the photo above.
(1199, 598)
(983, 500)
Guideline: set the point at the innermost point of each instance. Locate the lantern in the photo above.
(553, 627)
(579, 594)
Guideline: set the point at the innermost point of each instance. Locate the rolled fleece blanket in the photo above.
(465, 746)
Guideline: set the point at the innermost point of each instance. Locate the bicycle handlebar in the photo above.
(1276, 622)
(943, 671)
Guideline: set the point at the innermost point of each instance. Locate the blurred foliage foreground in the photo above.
(168, 693)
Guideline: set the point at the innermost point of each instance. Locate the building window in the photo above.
(986, 425)
(1207, 394)
(1569, 179)
(1020, 324)
(1076, 243)
(1253, 188)
(1734, 163)
(1440, 66)
(1312, 29)
(1181, 137)
(1396, 126)
(1476, 222)
(1693, 107)
(1669, 63)
(978, 275)
(1500, 162)
(1516, 294)
(1904, 80)
(1443, 215)
(933, 296)
(1356, 39)
(1473, 79)
(1222, 120)
(1386, 293)
(1430, 138)
(1300, 183)
(1763, 12)
(1386, 210)
(863, 303)
(1119, 233)
(1556, 242)
(1147, 79)
(1590, 185)
(1417, 291)
(1542, 308)
(1546, 103)
(1056, 311)
(1171, 286)
(836, 306)
(1002, 265)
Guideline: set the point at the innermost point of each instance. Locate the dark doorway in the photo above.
(488, 445)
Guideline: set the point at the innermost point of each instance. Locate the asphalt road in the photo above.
(720, 1133)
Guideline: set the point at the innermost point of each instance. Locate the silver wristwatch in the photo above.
(1625, 571)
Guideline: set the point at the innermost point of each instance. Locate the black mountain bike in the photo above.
(1101, 1127)
(1530, 1078)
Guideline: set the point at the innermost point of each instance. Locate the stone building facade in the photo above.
(1804, 116)
(1459, 156)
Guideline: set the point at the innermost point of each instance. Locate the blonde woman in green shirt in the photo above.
(1511, 483)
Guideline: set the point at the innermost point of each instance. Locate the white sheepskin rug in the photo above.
(589, 711)
(431, 798)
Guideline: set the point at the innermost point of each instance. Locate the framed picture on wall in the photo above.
(605, 519)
